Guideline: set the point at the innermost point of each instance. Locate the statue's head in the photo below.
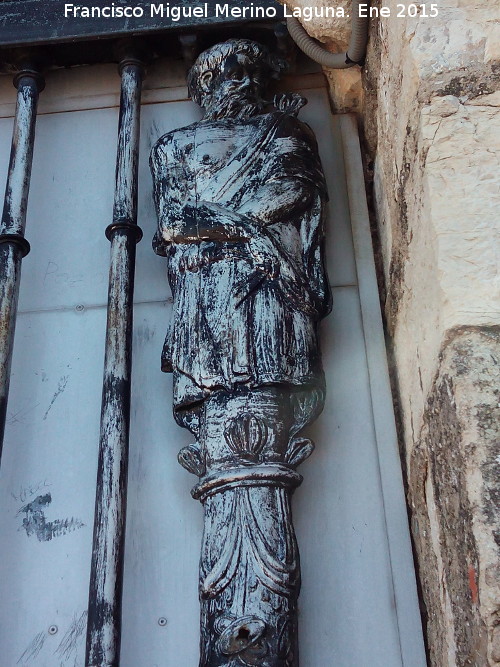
(229, 80)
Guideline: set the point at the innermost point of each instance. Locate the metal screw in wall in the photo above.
(162, 621)
(52, 629)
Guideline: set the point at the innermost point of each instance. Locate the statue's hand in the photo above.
(265, 257)
(290, 103)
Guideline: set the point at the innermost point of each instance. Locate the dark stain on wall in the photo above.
(35, 523)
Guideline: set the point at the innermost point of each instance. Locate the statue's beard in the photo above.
(233, 106)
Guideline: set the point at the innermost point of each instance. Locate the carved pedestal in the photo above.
(249, 570)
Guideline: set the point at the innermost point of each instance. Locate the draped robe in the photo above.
(236, 321)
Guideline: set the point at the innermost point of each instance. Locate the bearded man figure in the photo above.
(239, 197)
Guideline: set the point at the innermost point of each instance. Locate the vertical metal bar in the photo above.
(13, 245)
(106, 578)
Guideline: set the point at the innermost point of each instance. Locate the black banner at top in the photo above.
(27, 22)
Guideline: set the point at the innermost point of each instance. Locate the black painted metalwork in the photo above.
(18, 240)
(29, 22)
(239, 198)
(13, 246)
(127, 226)
(105, 591)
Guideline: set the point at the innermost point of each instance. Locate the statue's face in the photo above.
(237, 89)
(242, 77)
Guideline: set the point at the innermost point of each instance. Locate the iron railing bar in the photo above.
(106, 578)
(13, 246)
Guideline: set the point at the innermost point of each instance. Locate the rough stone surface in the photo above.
(434, 136)
(346, 90)
(431, 119)
(454, 475)
(432, 127)
(440, 235)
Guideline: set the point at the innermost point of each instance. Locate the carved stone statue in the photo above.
(239, 197)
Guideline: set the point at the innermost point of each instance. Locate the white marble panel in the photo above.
(47, 486)
(347, 606)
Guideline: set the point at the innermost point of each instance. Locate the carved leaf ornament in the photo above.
(247, 435)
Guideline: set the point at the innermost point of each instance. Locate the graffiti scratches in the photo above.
(69, 643)
(18, 417)
(26, 492)
(33, 649)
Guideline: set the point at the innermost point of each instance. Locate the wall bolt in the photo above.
(52, 629)
(162, 621)
(80, 307)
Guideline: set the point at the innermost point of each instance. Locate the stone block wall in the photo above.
(429, 107)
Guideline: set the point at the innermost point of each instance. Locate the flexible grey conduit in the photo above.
(357, 43)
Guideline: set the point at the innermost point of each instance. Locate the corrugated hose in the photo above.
(357, 44)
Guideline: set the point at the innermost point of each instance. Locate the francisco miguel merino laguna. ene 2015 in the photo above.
(178, 12)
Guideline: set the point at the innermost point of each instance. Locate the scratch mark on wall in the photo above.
(60, 388)
(33, 649)
(18, 417)
(52, 267)
(154, 133)
(35, 522)
(26, 492)
(69, 643)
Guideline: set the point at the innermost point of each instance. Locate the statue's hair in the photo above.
(212, 59)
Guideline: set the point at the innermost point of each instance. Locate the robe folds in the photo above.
(246, 305)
